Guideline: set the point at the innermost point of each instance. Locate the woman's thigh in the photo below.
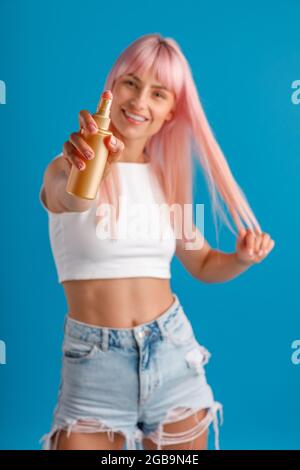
(179, 427)
(86, 441)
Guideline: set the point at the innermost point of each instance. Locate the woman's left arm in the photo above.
(209, 265)
(250, 249)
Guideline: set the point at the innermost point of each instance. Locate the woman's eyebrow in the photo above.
(152, 86)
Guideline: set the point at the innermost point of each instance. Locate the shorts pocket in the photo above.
(180, 332)
(76, 350)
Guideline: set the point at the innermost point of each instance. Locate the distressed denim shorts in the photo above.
(134, 380)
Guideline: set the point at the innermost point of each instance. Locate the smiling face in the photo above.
(142, 96)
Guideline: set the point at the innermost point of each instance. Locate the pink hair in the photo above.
(171, 147)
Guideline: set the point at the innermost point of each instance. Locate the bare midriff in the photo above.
(119, 303)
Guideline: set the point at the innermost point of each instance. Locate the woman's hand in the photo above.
(253, 247)
(76, 150)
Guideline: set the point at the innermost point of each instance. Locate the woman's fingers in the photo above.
(250, 242)
(264, 244)
(81, 146)
(253, 247)
(70, 153)
(76, 150)
(87, 122)
(115, 147)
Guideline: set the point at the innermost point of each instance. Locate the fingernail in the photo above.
(251, 252)
(88, 155)
(92, 128)
(113, 141)
(260, 252)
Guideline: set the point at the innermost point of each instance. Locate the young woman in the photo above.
(133, 371)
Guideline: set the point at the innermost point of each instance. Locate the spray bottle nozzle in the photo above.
(105, 102)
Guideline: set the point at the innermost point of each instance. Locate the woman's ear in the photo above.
(170, 115)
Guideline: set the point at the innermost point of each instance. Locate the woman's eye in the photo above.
(159, 94)
(129, 82)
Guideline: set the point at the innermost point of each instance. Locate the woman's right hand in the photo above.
(76, 150)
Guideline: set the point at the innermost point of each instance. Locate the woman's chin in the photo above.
(128, 131)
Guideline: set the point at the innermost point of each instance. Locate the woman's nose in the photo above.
(140, 101)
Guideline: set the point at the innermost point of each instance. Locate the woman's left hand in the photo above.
(253, 247)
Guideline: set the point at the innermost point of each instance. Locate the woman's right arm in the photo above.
(74, 153)
(54, 190)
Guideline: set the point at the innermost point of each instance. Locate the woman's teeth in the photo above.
(134, 117)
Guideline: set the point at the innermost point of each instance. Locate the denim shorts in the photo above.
(134, 380)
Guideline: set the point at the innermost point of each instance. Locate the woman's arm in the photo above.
(221, 267)
(57, 198)
(251, 248)
(209, 265)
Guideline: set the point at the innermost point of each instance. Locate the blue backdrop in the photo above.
(245, 58)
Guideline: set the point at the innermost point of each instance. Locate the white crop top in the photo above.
(145, 243)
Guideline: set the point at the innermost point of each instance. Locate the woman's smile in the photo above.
(129, 118)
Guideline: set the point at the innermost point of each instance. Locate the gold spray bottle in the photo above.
(85, 183)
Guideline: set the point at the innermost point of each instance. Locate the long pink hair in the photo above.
(170, 149)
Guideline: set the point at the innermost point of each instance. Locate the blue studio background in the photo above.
(244, 56)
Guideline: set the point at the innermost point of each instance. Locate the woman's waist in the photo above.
(122, 303)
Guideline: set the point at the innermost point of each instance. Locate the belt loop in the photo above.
(104, 339)
(163, 330)
(65, 322)
(164, 320)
